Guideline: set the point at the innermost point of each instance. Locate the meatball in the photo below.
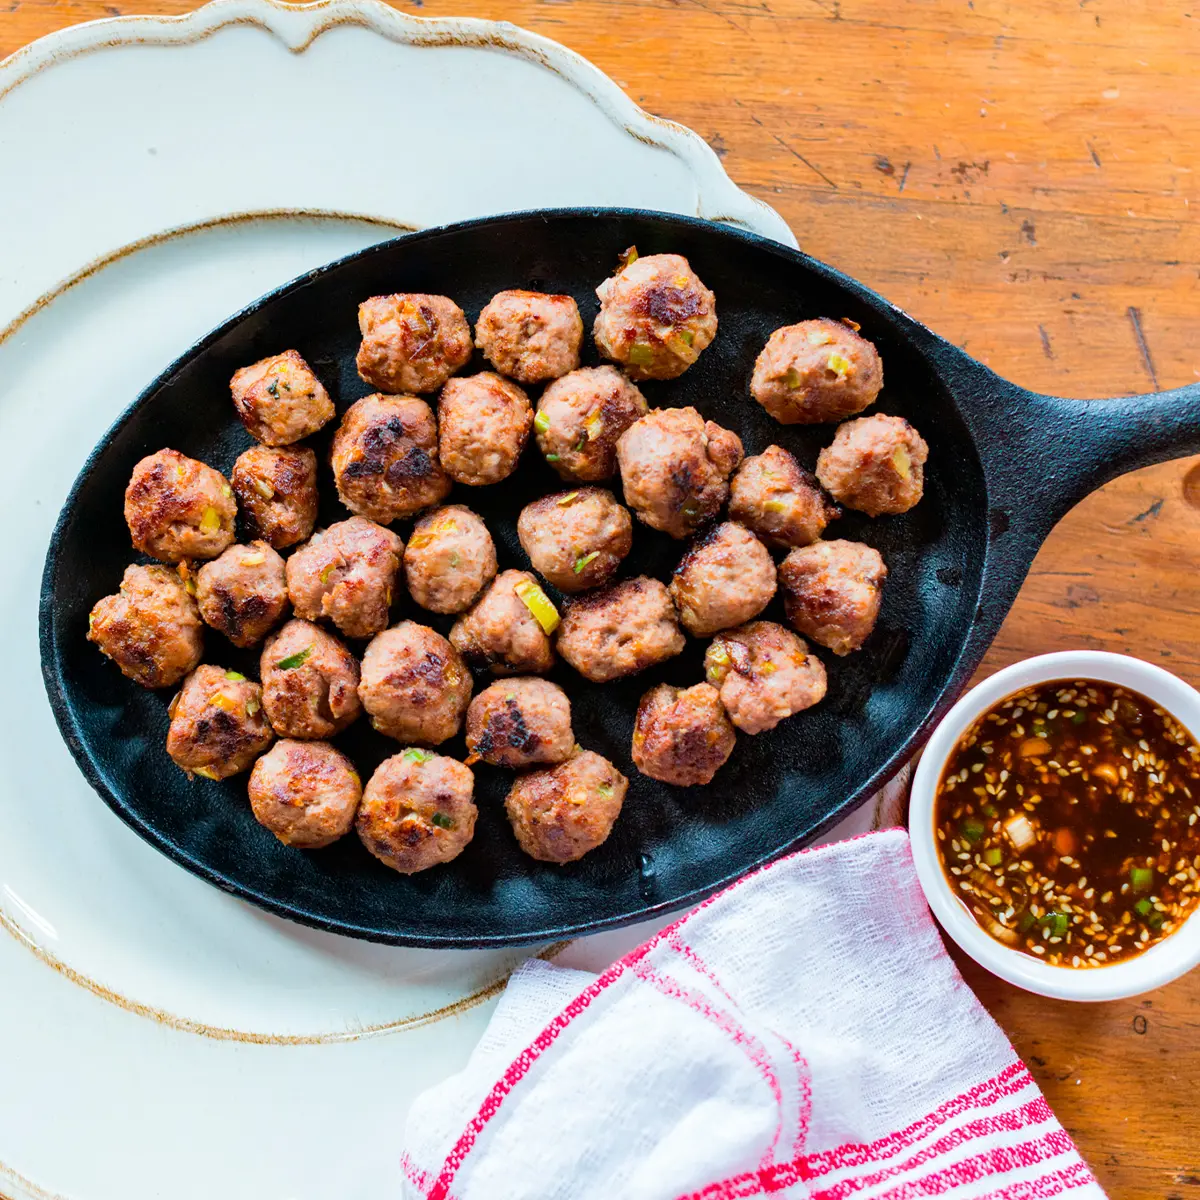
(620, 630)
(347, 574)
(765, 673)
(725, 578)
(682, 737)
(504, 632)
(655, 316)
(519, 722)
(385, 458)
(483, 425)
(150, 628)
(280, 400)
(411, 342)
(417, 810)
(560, 813)
(816, 371)
(875, 465)
(775, 497)
(529, 335)
(675, 468)
(178, 508)
(576, 540)
(831, 592)
(305, 793)
(277, 493)
(450, 559)
(243, 594)
(415, 687)
(579, 419)
(310, 682)
(218, 727)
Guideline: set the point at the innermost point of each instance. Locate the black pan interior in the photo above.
(670, 846)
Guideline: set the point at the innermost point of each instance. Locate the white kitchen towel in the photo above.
(802, 1034)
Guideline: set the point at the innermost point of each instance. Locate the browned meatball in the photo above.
(310, 682)
(765, 673)
(411, 342)
(509, 628)
(832, 591)
(579, 419)
(483, 425)
(675, 468)
(415, 687)
(560, 813)
(655, 316)
(519, 722)
(620, 630)
(280, 400)
(218, 727)
(816, 371)
(150, 628)
(875, 465)
(276, 489)
(305, 793)
(417, 810)
(243, 593)
(449, 560)
(347, 574)
(576, 540)
(178, 508)
(682, 737)
(530, 335)
(385, 458)
(773, 495)
(726, 577)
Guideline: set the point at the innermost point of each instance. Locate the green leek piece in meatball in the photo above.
(178, 508)
(218, 726)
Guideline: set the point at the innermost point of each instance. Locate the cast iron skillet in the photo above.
(1004, 465)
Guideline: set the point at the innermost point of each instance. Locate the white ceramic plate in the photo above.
(158, 1038)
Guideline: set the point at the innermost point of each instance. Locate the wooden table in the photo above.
(1017, 174)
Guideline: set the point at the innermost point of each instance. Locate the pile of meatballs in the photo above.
(395, 457)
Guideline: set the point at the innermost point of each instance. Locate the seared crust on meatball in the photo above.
(178, 508)
(765, 674)
(655, 317)
(501, 632)
(310, 682)
(243, 594)
(276, 490)
(483, 425)
(218, 727)
(775, 497)
(832, 592)
(519, 722)
(816, 371)
(530, 336)
(415, 687)
(449, 560)
(726, 577)
(417, 811)
(150, 628)
(576, 540)
(560, 813)
(682, 737)
(675, 468)
(620, 630)
(305, 793)
(280, 400)
(346, 574)
(875, 465)
(411, 342)
(579, 419)
(385, 458)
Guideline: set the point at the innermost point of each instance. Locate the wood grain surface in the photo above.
(1018, 174)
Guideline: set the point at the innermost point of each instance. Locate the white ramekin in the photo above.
(1171, 957)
